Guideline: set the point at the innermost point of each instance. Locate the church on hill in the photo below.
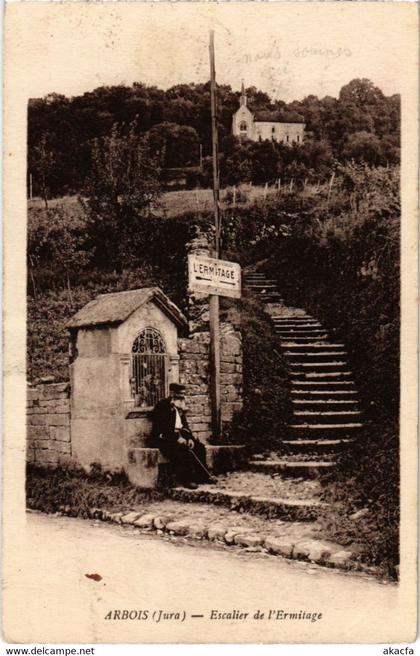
(258, 126)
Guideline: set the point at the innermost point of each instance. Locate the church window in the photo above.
(297, 137)
(273, 129)
(243, 127)
(287, 137)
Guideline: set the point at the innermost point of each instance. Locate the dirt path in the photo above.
(149, 573)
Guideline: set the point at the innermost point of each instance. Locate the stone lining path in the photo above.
(299, 541)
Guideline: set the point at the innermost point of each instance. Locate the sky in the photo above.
(289, 50)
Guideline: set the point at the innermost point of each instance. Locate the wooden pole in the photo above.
(214, 299)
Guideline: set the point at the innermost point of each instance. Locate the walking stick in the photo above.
(200, 463)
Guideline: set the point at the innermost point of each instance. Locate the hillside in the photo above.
(361, 124)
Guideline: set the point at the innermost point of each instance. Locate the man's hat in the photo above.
(177, 388)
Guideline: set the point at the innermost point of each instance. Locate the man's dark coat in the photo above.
(164, 417)
(165, 438)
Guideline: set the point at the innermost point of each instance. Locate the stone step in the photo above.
(288, 341)
(312, 348)
(322, 384)
(321, 376)
(295, 322)
(292, 323)
(300, 318)
(301, 331)
(256, 274)
(325, 394)
(323, 417)
(294, 317)
(316, 365)
(306, 428)
(321, 446)
(301, 339)
(307, 356)
(287, 509)
(291, 335)
(325, 404)
(264, 284)
(306, 468)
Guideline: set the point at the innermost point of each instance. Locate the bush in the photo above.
(372, 492)
(267, 409)
(74, 491)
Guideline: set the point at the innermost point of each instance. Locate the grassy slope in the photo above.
(172, 203)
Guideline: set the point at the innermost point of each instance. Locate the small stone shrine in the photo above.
(124, 354)
(125, 349)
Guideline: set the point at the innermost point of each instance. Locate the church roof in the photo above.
(278, 117)
(117, 307)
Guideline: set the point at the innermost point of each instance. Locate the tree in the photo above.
(43, 165)
(363, 147)
(361, 92)
(174, 145)
(120, 190)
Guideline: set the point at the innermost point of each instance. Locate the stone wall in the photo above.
(194, 373)
(48, 423)
(195, 357)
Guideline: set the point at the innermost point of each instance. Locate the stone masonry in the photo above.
(193, 372)
(194, 356)
(48, 424)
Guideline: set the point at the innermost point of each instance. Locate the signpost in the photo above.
(212, 276)
(214, 299)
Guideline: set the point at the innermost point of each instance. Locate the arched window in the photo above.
(148, 368)
(243, 127)
(273, 129)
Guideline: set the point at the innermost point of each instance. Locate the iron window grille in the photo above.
(149, 367)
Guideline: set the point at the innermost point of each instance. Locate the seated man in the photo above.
(176, 441)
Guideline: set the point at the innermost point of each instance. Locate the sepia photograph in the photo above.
(210, 323)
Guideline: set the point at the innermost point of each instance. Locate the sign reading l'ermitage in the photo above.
(211, 276)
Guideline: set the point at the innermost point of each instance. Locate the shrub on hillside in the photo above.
(363, 498)
(76, 492)
(120, 189)
(266, 411)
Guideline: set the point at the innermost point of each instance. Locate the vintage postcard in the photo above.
(210, 322)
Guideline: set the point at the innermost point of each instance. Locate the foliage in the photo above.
(262, 422)
(364, 500)
(42, 164)
(335, 252)
(54, 297)
(173, 145)
(54, 243)
(121, 187)
(77, 492)
(62, 131)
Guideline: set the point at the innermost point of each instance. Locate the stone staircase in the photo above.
(326, 417)
(262, 286)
